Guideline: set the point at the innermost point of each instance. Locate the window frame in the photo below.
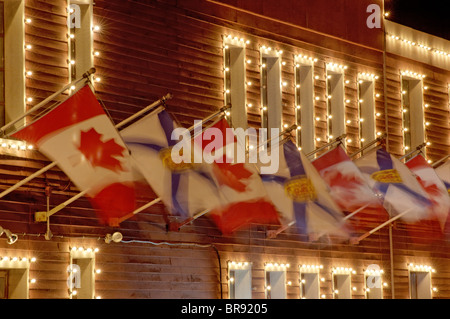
(303, 284)
(86, 275)
(336, 287)
(244, 267)
(14, 57)
(304, 102)
(280, 284)
(366, 109)
(81, 47)
(335, 100)
(412, 102)
(18, 277)
(235, 85)
(271, 90)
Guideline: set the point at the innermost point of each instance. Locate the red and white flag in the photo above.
(348, 187)
(443, 172)
(81, 138)
(245, 198)
(433, 185)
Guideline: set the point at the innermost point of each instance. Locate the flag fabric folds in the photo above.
(182, 189)
(301, 195)
(348, 188)
(443, 172)
(81, 138)
(394, 182)
(433, 185)
(245, 200)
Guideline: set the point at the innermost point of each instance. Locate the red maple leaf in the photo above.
(232, 175)
(100, 153)
(430, 189)
(339, 179)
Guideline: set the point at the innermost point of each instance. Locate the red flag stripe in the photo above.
(66, 114)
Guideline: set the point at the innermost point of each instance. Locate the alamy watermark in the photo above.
(373, 280)
(374, 19)
(74, 16)
(74, 279)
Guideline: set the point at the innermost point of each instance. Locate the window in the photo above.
(3, 284)
(412, 113)
(275, 275)
(14, 278)
(420, 285)
(304, 100)
(235, 86)
(81, 281)
(335, 101)
(270, 90)
(309, 281)
(12, 51)
(420, 281)
(373, 282)
(366, 102)
(81, 52)
(342, 283)
(239, 280)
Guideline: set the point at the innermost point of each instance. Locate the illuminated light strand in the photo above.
(267, 49)
(367, 76)
(304, 58)
(276, 266)
(311, 268)
(83, 250)
(235, 39)
(239, 265)
(16, 259)
(374, 271)
(343, 270)
(15, 144)
(421, 268)
(334, 66)
(412, 74)
(419, 45)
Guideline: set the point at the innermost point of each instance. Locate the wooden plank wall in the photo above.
(149, 48)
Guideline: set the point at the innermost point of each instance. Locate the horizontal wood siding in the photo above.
(151, 48)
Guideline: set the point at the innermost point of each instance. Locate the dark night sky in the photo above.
(430, 16)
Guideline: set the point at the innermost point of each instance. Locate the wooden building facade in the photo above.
(143, 49)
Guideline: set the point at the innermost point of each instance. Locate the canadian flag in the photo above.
(433, 185)
(239, 183)
(81, 138)
(347, 185)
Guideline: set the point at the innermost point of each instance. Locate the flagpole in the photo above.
(440, 161)
(48, 99)
(357, 240)
(166, 97)
(368, 145)
(140, 209)
(337, 140)
(418, 148)
(355, 212)
(274, 233)
(208, 118)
